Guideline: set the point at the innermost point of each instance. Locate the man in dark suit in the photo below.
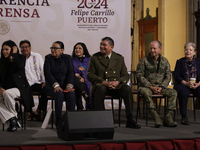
(108, 75)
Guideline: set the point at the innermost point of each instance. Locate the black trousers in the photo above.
(183, 95)
(124, 92)
(79, 87)
(60, 97)
(43, 100)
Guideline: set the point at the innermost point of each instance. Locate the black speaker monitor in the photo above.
(86, 125)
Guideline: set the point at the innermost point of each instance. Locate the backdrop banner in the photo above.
(44, 21)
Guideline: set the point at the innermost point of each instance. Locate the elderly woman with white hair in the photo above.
(187, 79)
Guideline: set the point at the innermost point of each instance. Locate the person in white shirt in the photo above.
(35, 77)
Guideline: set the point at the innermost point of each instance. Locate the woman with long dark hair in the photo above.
(13, 84)
(81, 58)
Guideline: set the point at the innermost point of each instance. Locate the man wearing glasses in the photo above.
(35, 77)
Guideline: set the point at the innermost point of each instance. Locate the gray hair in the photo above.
(190, 44)
(159, 43)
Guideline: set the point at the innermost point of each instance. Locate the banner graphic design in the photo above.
(44, 21)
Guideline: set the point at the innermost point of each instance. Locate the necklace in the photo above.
(189, 65)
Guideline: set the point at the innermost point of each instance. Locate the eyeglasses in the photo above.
(25, 47)
(55, 48)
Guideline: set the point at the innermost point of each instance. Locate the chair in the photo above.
(52, 106)
(191, 95)
(52, 115)
(134, 85)
(156, 96)
(120, 105)
(35, 93)
(172, 83)
(132, 82)
(23, 118)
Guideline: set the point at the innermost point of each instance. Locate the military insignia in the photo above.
(119, 55)
(4, 27)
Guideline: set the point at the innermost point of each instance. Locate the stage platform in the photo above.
(35, 135)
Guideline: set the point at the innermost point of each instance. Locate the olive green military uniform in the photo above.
(156, 73)
(101, 69)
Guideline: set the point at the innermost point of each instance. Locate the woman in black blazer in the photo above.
(59, 76)
(13, 84)
(186, 70)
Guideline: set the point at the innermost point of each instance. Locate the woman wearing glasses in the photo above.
(59, 75)
(13, 84)
(81, 58)
(187, 79)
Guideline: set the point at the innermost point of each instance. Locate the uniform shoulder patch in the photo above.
(95, 54)
(119, 55)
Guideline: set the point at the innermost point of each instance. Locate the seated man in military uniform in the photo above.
(108, 75)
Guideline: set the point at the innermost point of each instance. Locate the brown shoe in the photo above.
(30, 116)
(37, 115)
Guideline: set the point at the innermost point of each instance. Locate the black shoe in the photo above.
(184, 120)
(13, 124)
(132, 124)
(86, 97)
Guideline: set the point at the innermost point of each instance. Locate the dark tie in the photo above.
(107, 57)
